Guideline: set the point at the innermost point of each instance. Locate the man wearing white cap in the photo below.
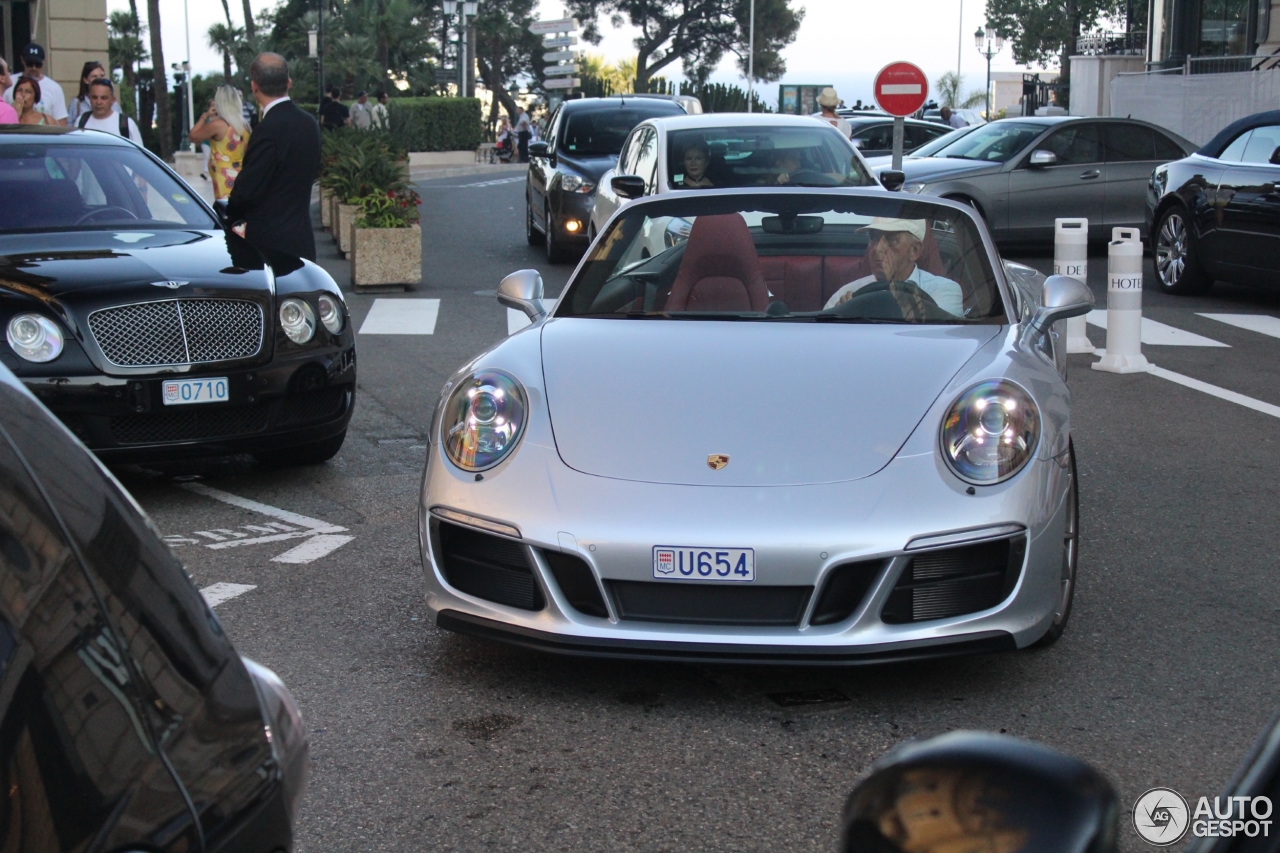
(894, 247)
(829, 100)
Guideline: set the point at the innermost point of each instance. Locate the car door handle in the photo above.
(1089, 175)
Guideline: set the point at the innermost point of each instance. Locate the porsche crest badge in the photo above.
(716, 461)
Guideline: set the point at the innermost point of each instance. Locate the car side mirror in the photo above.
(538, 149)
(1064, 297)
(1042, 158)
(628, 186)
(892, 180)
(1275, 157)
(220, 208)
(971, 790)
(522, 290)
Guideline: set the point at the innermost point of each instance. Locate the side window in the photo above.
(553, 130)
(875, 138)
(1130, 142)
(1167, 150)
(1235, 150)
(646, 159)
(1262, 144)
(918, 135)
(627, 159)
(1075, 145)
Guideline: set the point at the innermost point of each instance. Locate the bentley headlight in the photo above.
(990, 432)
(330, 313)
(35, 338)
(483, 420)
(575, 184)
(298, 320)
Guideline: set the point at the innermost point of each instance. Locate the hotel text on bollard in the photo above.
(1124, 304)
(1071, 257)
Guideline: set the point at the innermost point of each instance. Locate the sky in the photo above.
(842, 43)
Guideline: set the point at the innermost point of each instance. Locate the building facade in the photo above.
(72, 32)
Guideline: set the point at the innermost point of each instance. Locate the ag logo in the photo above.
(172, 285)
(1161, 816)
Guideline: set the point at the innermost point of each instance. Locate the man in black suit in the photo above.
(270, 203)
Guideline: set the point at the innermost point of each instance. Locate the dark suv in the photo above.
(582, 143)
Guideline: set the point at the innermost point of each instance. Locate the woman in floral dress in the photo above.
(224, 128)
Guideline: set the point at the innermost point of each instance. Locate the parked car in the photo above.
(150, 329)
(972, 116)
(1216, 213)
(583, 140)
(740, 150)
(840, 432)
(873, 135)
(127, 720)
(688, 103)
(926, 150)
(1021, 174)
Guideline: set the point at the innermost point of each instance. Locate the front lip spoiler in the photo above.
(986, 642)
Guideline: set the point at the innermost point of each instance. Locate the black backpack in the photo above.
(124, 122)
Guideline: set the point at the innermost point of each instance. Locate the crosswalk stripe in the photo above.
(494, 183)
(1158, 334)
(401, 317)
(220, 592)
(1261, 323)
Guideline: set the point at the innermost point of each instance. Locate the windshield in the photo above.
(788, 257)
(995, 143)
(934, 146)
(602, 132)
(89, 187)
(763, 156)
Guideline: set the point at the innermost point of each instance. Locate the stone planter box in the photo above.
(345, 223)
(386, 258)
(326, 211)
(333, 217)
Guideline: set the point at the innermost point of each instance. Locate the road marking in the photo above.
(315, 524)
(313, 549)
(1158, 334)
(1215, 391)
(401, 317)
(497, 182)
(516, 320)
(220, 592)
(1260, 323)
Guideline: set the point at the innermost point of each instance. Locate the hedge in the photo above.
(431, 124)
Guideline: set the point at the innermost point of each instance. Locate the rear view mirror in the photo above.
(538, 149)
(976, 791)
(220, 208)
(628, 186)
(1043, 158)
(792, 224)
(1064, 297)
(892, 179)
(1275, 157)
(522, 290)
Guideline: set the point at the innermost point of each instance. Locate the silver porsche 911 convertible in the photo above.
(789, 425)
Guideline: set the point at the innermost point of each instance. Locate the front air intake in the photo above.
(490, 567)
(955, 581)
(576, 581)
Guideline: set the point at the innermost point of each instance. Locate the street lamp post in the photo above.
(464, 9)
(989, 43)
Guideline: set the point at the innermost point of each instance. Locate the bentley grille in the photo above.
(178, 331)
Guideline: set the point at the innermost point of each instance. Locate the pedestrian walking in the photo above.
(223, 127)
(381, 120)
(92, 70)
(50, 99)
(102, 115)
(362, 112)
(524, 132)
(829, 100)
(270, 204)
(333, 113)
(7, 114)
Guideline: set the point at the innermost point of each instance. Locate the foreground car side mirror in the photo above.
(1064, 297)
(522, 290)
(627, 186)
(220, 208)
(972, 790)
(538, 149)
(1043, 158)
(892, 180)
(1275, 157)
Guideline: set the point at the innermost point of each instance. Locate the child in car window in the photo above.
(696, 159)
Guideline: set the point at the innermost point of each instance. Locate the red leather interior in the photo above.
(720, 270)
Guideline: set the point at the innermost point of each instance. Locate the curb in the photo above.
(427, 174)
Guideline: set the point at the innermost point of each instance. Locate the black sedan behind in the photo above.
(149, 329)
(1216, 214)
(874, 134)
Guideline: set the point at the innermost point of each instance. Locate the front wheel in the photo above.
(555, 249)
(1177, 267)
(303, 454)
(1070, 557)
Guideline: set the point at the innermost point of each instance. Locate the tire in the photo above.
(530, 233)
(314, 453)
(555, 249)
(1173, 247)
(1070, 559)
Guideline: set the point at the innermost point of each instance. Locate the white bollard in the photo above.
(1071, 257)
(1124, 304)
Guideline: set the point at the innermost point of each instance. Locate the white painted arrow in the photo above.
(318, 534)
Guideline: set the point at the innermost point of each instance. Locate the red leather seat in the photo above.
(720, 270)
(795, 280)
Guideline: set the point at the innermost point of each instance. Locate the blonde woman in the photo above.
(224, 128)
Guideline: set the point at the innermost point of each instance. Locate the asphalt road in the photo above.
(426, 740)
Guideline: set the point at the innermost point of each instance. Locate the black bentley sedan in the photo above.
(127, 720)
(1216, 214)
(147, 327)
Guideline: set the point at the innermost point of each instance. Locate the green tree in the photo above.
(125, 48)
(697, 33)
(1044, 30)
(506, 52)
(160, 84)
(224, 39)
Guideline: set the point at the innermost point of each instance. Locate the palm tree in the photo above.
(224, 39)
(160, 82)
(623, 75)
(124, 44)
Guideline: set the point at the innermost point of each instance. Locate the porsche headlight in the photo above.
(298, 320)
(35, 338)
(330, 313)
(575, 184)
(483, 420)
(990, 432)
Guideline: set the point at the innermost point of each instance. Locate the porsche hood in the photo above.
(666, 401)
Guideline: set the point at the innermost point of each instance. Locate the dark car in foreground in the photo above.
(128, 722)
(583, 140)
(1216, 214)
(149, 329)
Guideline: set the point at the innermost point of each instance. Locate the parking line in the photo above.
(220, 592)
(401, 317)
(1215, 391)
(314, 524)
(1261, 323)
(313, 549)
(1158, 334)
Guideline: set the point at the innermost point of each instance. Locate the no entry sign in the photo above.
(901, 88)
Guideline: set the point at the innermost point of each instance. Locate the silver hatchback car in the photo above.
(805, 425)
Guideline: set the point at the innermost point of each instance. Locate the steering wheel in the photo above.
(876, 302)
(101, 210)
(809, 177)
